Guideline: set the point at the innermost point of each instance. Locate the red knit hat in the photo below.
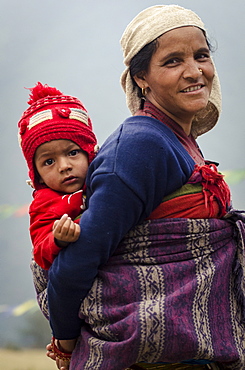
(53, 116)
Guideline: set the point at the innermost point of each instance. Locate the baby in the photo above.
(58, 143)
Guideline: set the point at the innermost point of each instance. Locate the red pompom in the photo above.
(41, 91)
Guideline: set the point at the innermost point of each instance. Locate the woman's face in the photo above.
(180, 75)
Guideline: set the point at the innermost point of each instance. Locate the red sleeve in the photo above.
(47, 207)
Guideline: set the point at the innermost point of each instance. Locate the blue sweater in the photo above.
(140, 163)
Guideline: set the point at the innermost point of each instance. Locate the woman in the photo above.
(159, 263)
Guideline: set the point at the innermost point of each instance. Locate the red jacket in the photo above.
(48, 206)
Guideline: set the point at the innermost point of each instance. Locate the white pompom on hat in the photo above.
(146, 27)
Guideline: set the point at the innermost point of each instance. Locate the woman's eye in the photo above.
(172, 61)
(202, 56)
(48, 162)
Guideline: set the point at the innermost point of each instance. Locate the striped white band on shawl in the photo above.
(152, 340)
(237, 313)
(201, 248)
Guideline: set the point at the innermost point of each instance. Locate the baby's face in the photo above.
(62, 165)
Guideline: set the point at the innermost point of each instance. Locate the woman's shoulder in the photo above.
(137, 130)
(144, 123)
(146, 133)
(140, 141)
(148, 130)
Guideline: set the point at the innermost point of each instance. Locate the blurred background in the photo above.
(74, 46)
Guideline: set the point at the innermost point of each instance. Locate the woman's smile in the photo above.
(192, 88)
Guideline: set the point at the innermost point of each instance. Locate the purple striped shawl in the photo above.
(173, 291)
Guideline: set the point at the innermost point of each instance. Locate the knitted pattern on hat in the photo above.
(146, 27)
(53, 116)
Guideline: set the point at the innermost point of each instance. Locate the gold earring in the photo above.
(143, 91)
(200, 70)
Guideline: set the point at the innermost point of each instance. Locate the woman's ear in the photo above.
(140, 80)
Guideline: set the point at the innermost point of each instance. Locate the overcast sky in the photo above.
(74, 46)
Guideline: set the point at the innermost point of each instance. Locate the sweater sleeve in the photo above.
(44, 247)
(124, 185)
(47, 207)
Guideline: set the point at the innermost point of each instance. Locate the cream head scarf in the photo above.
(146, 27)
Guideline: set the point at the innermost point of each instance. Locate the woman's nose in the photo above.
(192, 70)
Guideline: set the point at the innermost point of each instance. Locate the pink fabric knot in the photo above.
(213, 183)
(63, 112)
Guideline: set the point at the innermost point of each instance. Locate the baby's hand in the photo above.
(61, 364)
(65, 231)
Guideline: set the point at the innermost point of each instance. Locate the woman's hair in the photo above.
(141, 61)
